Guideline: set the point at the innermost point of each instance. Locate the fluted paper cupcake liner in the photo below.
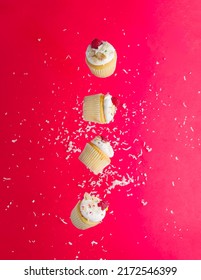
(94, 158)
(93, 108)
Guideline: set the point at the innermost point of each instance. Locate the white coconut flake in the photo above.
(68, 57)
(144, 203)
(6, 179)
(63, 221)
(124, 70)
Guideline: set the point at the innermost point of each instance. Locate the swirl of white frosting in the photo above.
(90, 210)
(104, 146)
(109, 108)
(104, 54)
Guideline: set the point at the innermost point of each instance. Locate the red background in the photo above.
(155, 209)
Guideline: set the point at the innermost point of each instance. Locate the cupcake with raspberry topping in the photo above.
(96, 154)
(101, 58)
(88, 212)
(100, 108)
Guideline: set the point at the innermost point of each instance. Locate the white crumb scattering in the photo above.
(132, 156)
(72, 148)
(126, 149)
(6, 179)
(14, 140)
(68, 57)
(192, 129)
(63, 221)
(32, 241)
(157, 63)
(129, 194)
(104, 250)
(33, 201)
(140, 154)
(144, 203)
(70, 243)
(184, 78)
(123, 182)
(172, 212)
(39, 39)
(124, 70)
(94, 243)
(176, 158)
(173, 183)
(184, 104)
(124, 106)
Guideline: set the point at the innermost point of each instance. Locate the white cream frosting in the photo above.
(90, 210)
(104, 146)
(104, 54)
(109, 108)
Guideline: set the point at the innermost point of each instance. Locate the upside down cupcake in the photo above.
(96, 154)
(100, 108)
(88, 212)
(101, 58)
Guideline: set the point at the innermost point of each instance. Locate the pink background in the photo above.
(155, 206)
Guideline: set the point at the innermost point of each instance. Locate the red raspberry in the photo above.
(103, 204)
(115, 101)
(103, 138)
(96, 43)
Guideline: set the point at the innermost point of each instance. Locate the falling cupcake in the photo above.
(96, 154)
(100, 108)
(88, 212)
(101, 58)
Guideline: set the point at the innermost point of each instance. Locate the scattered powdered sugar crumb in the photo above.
(94, 243)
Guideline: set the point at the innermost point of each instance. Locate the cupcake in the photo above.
(100, 108)
(96, 154)
(88, 212)
(101, 58)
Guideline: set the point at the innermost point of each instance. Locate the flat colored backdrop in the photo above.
(154, 182)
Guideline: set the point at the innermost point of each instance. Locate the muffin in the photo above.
(100, 108)
(101, 58)
(96, 154)
(88, 212)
